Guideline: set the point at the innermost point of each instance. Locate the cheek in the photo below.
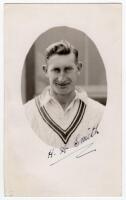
(51, 76)
(74, 76)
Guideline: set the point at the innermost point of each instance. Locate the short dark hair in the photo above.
(62, 47)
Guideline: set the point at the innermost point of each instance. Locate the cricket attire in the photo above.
(58, 127)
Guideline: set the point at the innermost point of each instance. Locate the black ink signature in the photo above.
(84, 148)
(77, 142)
(92, 133)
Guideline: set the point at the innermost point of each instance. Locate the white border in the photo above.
(1, 100)
(123, 197)
(124, 100)
(64, 1)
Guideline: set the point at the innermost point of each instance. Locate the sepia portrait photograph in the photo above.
(63, 124)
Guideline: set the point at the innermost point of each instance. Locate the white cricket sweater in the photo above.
(58, 127)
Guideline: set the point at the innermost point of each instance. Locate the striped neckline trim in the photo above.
(64, 134)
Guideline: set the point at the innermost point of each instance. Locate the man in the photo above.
(63, 113)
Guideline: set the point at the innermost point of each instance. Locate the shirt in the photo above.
(57, 127)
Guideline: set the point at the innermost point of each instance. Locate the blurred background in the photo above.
(93, 75)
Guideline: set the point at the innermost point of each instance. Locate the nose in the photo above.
(61, 77)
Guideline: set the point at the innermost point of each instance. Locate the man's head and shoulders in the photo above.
(63, 69)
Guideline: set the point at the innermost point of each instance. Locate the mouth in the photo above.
(62, 85)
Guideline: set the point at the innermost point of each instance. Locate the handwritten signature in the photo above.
(82, 150)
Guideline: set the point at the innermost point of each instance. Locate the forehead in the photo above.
(59, 60)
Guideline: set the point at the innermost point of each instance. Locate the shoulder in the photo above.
(95, 111)
(91, 103)
(32, 112)
(29, 108)
(95, 105)
(29, 104)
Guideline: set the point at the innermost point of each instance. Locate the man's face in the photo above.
(62, 73)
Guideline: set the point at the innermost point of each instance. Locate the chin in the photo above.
(63, 91)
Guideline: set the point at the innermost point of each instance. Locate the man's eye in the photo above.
(57, 70)
(67, 69)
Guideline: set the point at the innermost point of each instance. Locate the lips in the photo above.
(63, 84)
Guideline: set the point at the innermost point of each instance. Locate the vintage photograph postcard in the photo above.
(63, 100)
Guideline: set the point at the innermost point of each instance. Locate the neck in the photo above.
(64, 99)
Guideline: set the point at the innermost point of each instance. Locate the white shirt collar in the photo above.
(46, 97)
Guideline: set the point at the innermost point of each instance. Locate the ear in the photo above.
(44, 68)
(79, 66)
